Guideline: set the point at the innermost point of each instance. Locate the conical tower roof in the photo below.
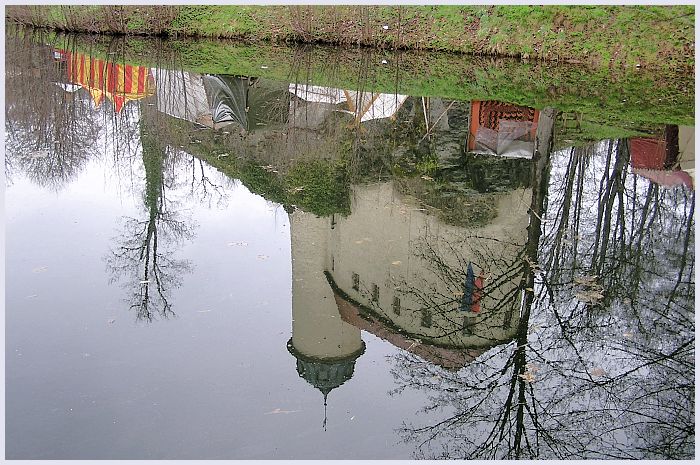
(325, 374)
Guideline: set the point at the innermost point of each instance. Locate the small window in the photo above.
(396, 306)
(332, 263)
(467, 327)
(375, 293)
(356, 281)
(426, 319)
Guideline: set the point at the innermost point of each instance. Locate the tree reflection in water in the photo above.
(48, 142)
(146, 248)
(602, 364)
(603, 361)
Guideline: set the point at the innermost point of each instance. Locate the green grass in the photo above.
(610, 103)
(656, 37)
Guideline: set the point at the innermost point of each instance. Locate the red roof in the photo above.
(445, 357)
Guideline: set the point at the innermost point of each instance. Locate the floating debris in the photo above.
(279, 410)
(591, 292)
(43, 153)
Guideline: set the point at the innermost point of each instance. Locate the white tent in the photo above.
(364, 106)
(182, 95)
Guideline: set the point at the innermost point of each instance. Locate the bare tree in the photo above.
(602, 365)
(144, 254)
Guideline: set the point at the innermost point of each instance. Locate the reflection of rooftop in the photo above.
(357, 315)
(667, 160)
(325, 374)
(504, 129)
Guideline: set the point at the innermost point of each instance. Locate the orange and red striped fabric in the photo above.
(119, 83)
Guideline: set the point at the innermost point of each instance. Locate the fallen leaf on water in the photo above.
(109, 322)
(278, 411)
(415, 343)
(239, 243)
(263, 257)
(427, 178)
(397, 262)
(585, 279)
(528, 377)
(589, 296)
(40, 269)
(598, 372)
(144, 282)
(43, 153)
(203, 311)
(358, 242)
(531, 367)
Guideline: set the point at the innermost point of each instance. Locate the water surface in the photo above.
(235, 266)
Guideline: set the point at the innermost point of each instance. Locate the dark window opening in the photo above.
(396, 306)
(356, 281)
(426, 319)
(375, 293)
(467, 327)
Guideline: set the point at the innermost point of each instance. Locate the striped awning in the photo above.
(120, 83)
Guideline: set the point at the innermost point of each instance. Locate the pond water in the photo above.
(228, 265)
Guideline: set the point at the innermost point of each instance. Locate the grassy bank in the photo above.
(655, 37)
(610, 104)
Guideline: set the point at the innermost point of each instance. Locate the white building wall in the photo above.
(378, 242)
(317, 329)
